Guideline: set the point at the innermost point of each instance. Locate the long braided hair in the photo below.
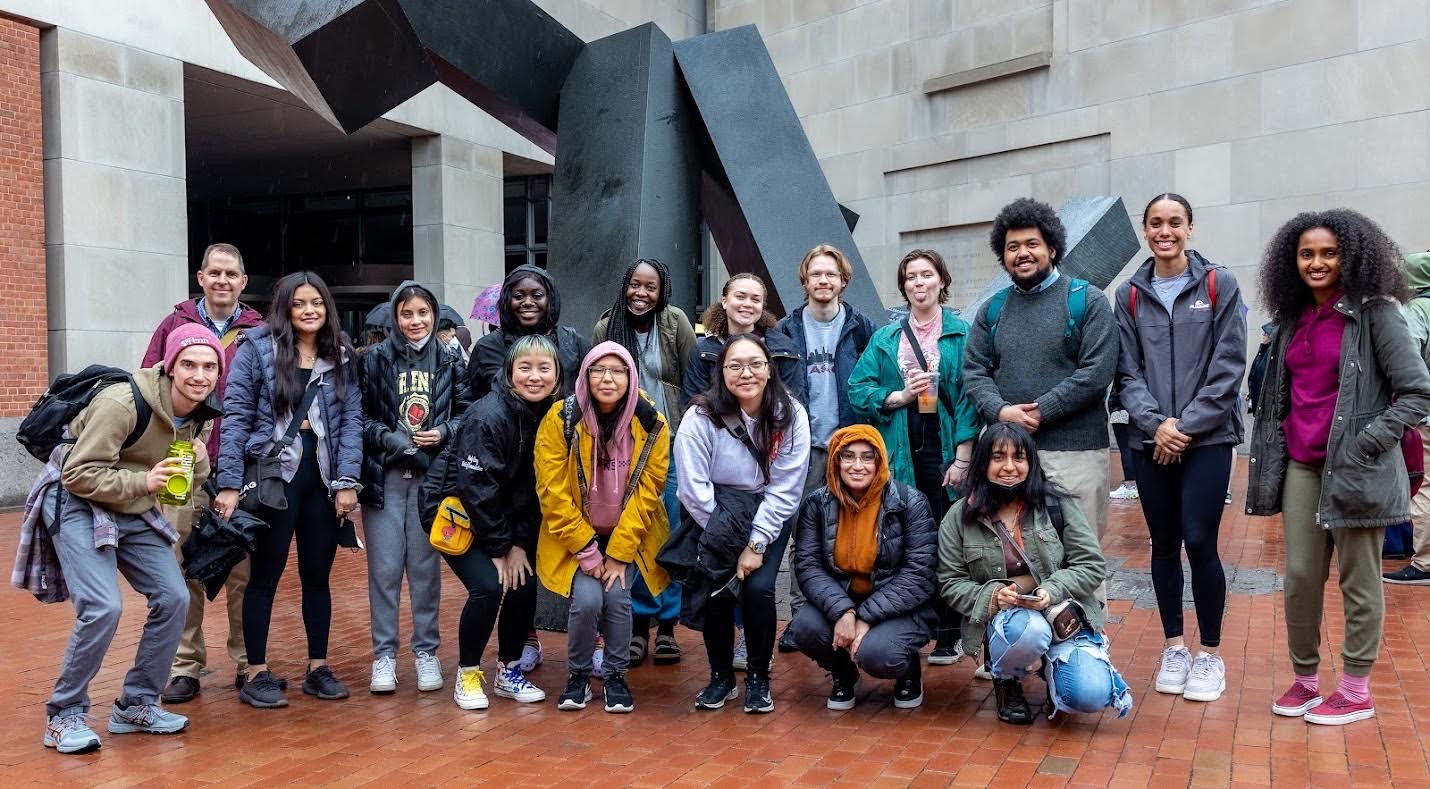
(622, 327)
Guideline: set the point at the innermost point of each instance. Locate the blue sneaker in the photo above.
(70, 734)
(150, 718)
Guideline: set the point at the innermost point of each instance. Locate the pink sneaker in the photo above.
(1339, 710)
(1297, 701)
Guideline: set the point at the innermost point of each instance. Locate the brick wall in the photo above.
(23, 336)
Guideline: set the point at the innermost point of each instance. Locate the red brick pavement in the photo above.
(416, 739)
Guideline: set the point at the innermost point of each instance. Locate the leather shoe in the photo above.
(180, 689)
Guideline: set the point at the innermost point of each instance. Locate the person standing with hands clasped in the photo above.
(1183, 332)
(601, 460)
(1343, 384)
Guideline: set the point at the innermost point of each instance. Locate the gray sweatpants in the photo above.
(814, 480)
(397, 542)
(146, 558)
(888, 650)
(593, 610)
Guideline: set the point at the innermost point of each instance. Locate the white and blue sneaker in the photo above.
(70, 734)
(148, 718)
(512, 684)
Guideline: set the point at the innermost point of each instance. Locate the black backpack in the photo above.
(44, 428)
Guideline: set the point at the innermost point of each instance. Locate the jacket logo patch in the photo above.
(470, 463)
(1200, 305)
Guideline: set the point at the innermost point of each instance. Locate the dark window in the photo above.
(526, 213)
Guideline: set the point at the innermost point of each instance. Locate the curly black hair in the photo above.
(1370, 263)
(1027, 212)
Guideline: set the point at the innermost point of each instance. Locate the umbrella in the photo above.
(484, 307)
(446, 315)
(379, 317)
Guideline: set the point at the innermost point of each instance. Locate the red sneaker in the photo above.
(1297, 701)
(1339, 710)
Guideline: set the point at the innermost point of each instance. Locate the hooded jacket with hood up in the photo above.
(489, 354)
(390, 396)
(1417, 312)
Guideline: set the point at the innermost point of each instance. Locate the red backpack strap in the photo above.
(1211, 287)
(1132, 302)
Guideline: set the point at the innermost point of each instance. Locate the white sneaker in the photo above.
(982, 672)
(512, 684)
(469, 694)
(1124, 492)
(741, 657)
(429, 672)
(1207, 680)
(1176, 666)
(384, 675)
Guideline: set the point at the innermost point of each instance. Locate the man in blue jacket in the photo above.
(829, 335)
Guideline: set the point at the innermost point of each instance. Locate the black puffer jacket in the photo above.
(904, 571)
(384, 438)
(493, 475)
(489, 354)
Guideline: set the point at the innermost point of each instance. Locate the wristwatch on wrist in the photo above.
(758, 546)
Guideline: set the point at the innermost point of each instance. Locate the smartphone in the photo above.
(1032, 598)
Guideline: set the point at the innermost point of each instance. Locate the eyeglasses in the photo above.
(616, 373)
(850, 458)
(739, 368)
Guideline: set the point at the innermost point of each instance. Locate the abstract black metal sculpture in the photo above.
(643, 131)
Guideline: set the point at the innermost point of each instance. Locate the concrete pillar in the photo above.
(116, 229)
(457, 233)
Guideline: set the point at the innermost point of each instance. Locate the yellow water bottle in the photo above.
(177, 489)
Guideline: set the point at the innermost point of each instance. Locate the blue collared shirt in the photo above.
(1041, 286)
(219, 329)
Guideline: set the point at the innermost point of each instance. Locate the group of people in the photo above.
(939, 480)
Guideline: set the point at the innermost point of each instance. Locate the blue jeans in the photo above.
(1080, 674)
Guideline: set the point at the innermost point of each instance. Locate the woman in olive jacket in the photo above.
(1344, 381)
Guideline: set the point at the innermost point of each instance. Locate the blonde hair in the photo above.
(846, 271)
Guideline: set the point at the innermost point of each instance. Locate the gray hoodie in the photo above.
(1186, 364)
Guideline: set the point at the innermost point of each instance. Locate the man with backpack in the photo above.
(222, 278)
(106, 519)
(1042, 354)
(1417, 318)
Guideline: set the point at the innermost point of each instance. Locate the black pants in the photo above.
(479, 615)
(889, 650)
(1125, 453)
(311, 518)
(1182, 503)
(927, 448)
(757, 602)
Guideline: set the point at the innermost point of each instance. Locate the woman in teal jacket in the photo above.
(908, 384)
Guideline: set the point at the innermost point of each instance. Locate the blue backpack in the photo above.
(1077, 308)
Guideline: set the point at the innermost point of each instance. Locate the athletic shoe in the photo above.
(982, 672)
(946, 654)
(1176, 667)
(1339, 710)
(741, 657)
(148, 718)
(909, 689)
(180, 690)
(321, 682)
(618, 693)
(70, 734)
(1125, 492)
(512, 684)
(1297, 701)
(577, 693)
(263, 692)
(384, 675)
(1410, 575)
(429, 672)
(1228, 499)
(242, 677)
(468, 693)
(757, 693)
(598, 657)
(1207, 680)
(720, 690)
(531, 655)
(842, 692)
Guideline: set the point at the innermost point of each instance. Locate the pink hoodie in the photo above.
(611, 466)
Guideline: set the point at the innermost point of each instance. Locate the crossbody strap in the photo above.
(924, 364)
(736, 428)
(1008, 540)
(632, 481)
(299, 414)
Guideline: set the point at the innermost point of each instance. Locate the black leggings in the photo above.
(1125, 452)
(310, 516)
(1182, 503)
(479, 615)
(757, 602)
(927, 450)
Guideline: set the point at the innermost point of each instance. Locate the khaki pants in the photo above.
(1420, 513)
(1308, 565)
(1082, 474)
(193, 654)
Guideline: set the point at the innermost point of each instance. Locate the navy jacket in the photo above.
(853, 339)
(788, 362)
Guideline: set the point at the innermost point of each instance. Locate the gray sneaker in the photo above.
(1175, 668)
(149, 718)
(70, 734)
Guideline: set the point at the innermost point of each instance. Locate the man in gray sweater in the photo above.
(1046, 359)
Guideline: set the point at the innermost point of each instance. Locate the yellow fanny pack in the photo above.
(451, 529)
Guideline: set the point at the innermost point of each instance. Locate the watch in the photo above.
(758, 546)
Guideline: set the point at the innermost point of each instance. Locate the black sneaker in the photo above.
(180, 690)
(320, 682)
(242, 677)
(1410, 574)
(757, 693)
(1012, 704)
(263, 692)
(787, 643)
(720, 690)
(909, 689)
(577, 693)
(618, 693)
(842, 690)
(946, 653)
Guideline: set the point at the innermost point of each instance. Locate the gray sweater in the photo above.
(1032, 362)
